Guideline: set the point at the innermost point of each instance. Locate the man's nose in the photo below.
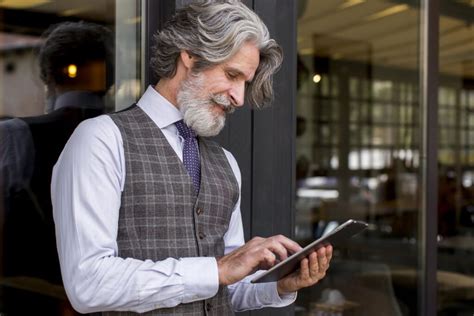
(237, 94)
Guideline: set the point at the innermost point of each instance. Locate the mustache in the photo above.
(223, 102)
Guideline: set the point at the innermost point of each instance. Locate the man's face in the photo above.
(205, 98)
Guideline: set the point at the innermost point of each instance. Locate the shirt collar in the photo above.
(160, 110)
(77, 99)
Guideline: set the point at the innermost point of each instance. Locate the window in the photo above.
(359, 153)
(366, 152)
(58, 67)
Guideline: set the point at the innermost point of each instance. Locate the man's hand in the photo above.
(258, 253)
(312, 269)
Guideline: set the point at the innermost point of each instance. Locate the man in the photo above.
(147, 215)
(29, 148)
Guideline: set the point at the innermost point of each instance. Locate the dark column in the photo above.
(274, 136)
(155, 14)
(429, 162)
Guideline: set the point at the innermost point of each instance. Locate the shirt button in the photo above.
(199, 211)
(201, 235)
(208, 307)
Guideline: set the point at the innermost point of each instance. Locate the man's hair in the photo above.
(213, 31)
(73, 43)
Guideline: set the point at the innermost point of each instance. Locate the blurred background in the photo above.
(359, 154)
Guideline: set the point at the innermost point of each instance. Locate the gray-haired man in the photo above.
(148, 216)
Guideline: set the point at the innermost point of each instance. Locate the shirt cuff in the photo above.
(268, 295)
(200, 278)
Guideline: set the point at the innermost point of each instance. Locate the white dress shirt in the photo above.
(86, 188)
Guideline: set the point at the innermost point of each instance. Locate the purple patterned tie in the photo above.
(190, 153)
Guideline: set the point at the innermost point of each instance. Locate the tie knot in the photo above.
(184, 130)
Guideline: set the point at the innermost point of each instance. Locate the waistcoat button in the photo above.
(201, 235)
(199, 211)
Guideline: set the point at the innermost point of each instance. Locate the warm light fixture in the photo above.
(76, 10)
(317, 78)
(72, 71)
(390, 11)
(21, 4)
(350, 3)
(134, 20)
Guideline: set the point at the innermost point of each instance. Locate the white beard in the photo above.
(198, 110)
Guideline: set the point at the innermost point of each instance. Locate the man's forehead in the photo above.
(245, 61)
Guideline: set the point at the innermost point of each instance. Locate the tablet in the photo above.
(340, 234)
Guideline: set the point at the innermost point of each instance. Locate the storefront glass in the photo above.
(57, 67)
(455, 274)
(358, 149)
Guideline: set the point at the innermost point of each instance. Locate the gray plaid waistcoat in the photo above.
(160, 215)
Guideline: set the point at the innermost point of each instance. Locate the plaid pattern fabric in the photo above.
(160, 215)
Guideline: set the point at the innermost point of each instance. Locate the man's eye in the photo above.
(231, 75)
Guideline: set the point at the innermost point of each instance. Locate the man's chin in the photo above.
(208, 131)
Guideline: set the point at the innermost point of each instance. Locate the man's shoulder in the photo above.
(99, 128)
(12, 126)
(123, 111)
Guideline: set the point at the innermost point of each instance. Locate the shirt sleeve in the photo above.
(86, 195)
(246, 295)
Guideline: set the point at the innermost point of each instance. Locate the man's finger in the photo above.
(276, 247)
(329, 252)
(314, 266)
(304, 269)
(269, 259)
(289, 244)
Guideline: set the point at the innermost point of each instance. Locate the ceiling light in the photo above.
(350, 3)
(390, 11)
(74, 11)
(134, 20)
(72, 71)
(22, 4)
(317, 78)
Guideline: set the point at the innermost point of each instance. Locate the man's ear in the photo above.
(187, 59)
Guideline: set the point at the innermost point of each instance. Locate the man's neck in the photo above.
(168, 89)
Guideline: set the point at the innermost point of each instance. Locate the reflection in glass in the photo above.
(58, 68)
(455, 273)
(358, 154)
